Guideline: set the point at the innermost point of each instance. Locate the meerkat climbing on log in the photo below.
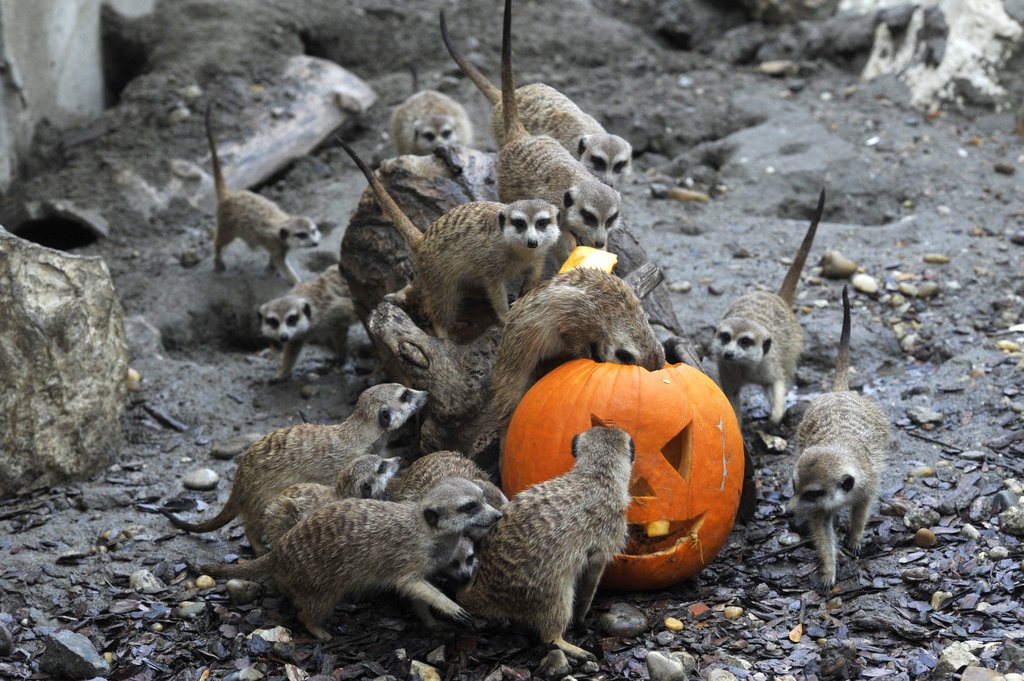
(429, 119)
(317, 311)
(843, 438)
(258, 221)
(354, 546)
(308, 453)
(540, 564)
(538, 167)
(544, 110)
(480, 243)
(759, 339)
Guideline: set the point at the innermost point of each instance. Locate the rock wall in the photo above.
(63, 366)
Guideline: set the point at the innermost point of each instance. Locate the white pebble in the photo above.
(865, 283)
(201, 479)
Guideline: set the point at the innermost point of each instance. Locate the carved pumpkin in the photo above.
(688, 472)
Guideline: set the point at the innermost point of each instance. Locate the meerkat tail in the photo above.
(392, 212)
(842, 380)
(249, 569)
(489, 90)
(788, 289)
(226, 515)
(510, 110)
(218, 177)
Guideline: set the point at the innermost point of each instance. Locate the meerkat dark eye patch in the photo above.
(384, 417)
(431, 516)
(847, 483)
(619, 167)
(501, 220)
(519, 224)
(812, 495)
(382, 469)
(725, 337)
(469, 507)
(542, 223)
(589, 218)
(283, 234)
(611, 219)
(429, 136)
(273, 323)
(599, 163)
(292, 320)
(367, 490)
(454, 565)
(446, 134)
(746, 342)
(406, 396)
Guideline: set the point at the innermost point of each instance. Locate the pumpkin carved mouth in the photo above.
(640, 542)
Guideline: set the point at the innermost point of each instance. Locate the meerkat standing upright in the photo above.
(317, 311)
(546, 111)
(256, 220)
(759, 339)
(538, 167)
(308, 453)
(482, 242)
(429, 119)
(843, 438)
(353, 546)
(540, 564)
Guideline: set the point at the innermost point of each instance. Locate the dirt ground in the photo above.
(903, 186)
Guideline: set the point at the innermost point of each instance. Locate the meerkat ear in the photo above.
(582, 147)
(384, 417)
(283, 233)
(567, 199)
(575, 444)
(431, 516)
(501, 220)
(766, 346)
(847, 482)
(632, 450)
(307, 310)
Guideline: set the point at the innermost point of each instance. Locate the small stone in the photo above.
(6, 641)
(788, 538)
(998, 552)
(928, 289)
(687, 195)
(778, 68)
(243, 592)
(624, 620)
(970, 531)
(715, 289)
(954, 657)
(918, 516)
(981, 674)
(661, 667)
(309, 391)
(673, 624)
(189, 259)
(915, 574)
(665, 638)
(835, 265)
(923, 472)
(865, 283)
(1008, 346)
(436, 656)
(134, 381)
(907, 289)
(156, 627)
(1011, 521)
(233, 446)
(795, 85)
(190, 92)
(1013, 654)
(680, 286)
(201, 479)
(939, 598)
(178, 114)
(773, 443)
(190, 609)
(419, 671)
(897, 300)
(251, 673)
(276, 635)
(1004, 499)
(590, 667)
(922, 415)
(554, 665)
(909, 343)
(205, 582)
(721, 675)
(925, 538)
(936, 258)
(145, 582)
(733, 612)
(1004, 168)
(658, 190)
(72, 656)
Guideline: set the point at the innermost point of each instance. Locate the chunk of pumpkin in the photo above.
(585, 256)
(657, 528)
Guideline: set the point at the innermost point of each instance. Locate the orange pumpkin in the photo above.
(688, 472)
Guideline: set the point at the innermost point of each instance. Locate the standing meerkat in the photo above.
(843, 438)
(759, 339)
(365, 477)
(431, 469)
(317, 311)
(538, 167)
(480, 243)
(540, 564)
(308, 453)
(429, 119)
(582, 313)
(256, 220)
(544, 110)
(354, 546)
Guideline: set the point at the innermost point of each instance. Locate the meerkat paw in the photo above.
(463, 618)
(825, 581)
(277, 378)
(572, 651)
(853, 547)
(218, 266)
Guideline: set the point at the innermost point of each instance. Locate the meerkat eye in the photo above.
(519, 224)
(746, 342)
(589, 218)
(405, 396)
(292, 320)
(446, 134)
(812, 495)
(724, 337)
(469, 507)
(367, 490)
(454, 565)
(301, 235)
(625, 356)
(382, 469)
(542, 223)
(273, 323)
(599, 163)
(619, 167)
(612, 218)
(429, 136)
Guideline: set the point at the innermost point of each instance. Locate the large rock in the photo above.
(63, 366)
(71, 656)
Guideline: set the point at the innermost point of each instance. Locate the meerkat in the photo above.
(546, 111)
(365, 477)
(484, 243)
(540, 564)
(843, 438)
(582, 313)
(429, 470)
(538, 167)
(256, 220)
(308, 453)
(759, 339)
(427, 120)
(317, 311)
(450, 574)
(353, 546)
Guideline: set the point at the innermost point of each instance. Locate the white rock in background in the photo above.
(63, 366)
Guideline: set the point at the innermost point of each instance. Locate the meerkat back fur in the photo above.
(353, 546)
(365, 477)
(759, 339)
(843, 438)
(544, 110)
(431, 469)
(309, 453)
(256, 220)
(540, 564)
(538, 167)
(317, 311)
(481, 243)
(429, 119)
